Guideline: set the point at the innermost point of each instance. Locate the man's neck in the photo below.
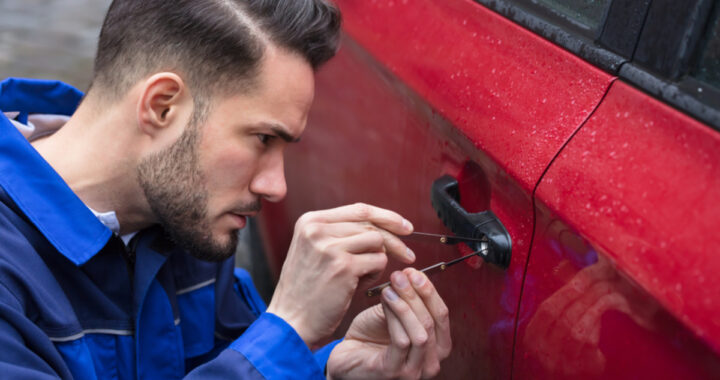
(96, 154)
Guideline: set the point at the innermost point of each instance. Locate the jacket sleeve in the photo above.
(26, 351)
(270, 348)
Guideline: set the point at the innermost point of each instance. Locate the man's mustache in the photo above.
(254, 206)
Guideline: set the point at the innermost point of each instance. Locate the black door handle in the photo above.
(445, 197)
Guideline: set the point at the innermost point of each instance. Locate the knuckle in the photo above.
(324, 247)
(305, 218)
(431, 370)
(444, 353)
(428, 324)
(362, 210)
(310, 230)
(420, 340)
(382, 260)
(402, 343)
(338, 267)
(444, 350)
(443, 314)
(376, 239)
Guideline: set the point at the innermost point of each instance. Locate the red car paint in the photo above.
(425, 88)
(625, 246)
(455, 54)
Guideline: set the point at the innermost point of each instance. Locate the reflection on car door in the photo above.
(622, 279)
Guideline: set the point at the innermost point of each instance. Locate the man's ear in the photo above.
(161, 103)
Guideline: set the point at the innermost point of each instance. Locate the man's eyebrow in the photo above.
(283, 134)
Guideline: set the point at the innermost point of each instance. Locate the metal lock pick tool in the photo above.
(441, 266)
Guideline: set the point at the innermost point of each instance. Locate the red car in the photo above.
(589, 129)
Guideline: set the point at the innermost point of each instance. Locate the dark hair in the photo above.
(213, 44)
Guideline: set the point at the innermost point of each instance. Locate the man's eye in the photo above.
(264, 138)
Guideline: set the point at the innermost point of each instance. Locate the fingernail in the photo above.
(417, 278)
(407, 225)
(401, 280)
(390, 294)
(409, 253)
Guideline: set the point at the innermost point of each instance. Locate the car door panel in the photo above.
(421, 89)
(385, 146)
(622, 278)
(515, 95)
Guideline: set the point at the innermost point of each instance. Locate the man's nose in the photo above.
(269, 182)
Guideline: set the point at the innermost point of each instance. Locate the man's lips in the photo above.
(245, 211)
(240, 220)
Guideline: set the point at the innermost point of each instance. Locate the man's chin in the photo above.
(210, 248)
(214, 254)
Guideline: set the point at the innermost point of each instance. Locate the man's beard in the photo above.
(173, 184)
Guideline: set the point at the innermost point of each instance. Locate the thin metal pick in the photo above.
(435, 268)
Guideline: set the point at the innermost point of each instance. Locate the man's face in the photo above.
(204, 186)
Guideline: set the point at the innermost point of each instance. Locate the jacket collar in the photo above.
(35, 187)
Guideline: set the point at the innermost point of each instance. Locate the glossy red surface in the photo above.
(622, 279)
(382, 145)
(516, 96)
(583, 318)
(400, 106)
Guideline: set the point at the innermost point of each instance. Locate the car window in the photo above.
(588, 13)
(708, 68)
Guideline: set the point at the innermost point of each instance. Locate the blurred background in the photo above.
(56, 39)
(50, 39)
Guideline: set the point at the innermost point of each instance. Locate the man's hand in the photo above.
(404, 337)
(332, 251)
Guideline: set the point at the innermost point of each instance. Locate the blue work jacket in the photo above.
(76, 302)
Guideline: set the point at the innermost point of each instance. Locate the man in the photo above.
(117, 230)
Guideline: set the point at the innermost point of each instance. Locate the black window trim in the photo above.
(671, 81)
(613, 51)
(598, 47)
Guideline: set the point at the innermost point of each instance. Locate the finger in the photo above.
(368, 241)
(437, 309)
(413, 327)
(396, 248)
(368, 264)
(360, 212)
(344, 229)
(361, 237)
(397, 351)
(429, 364)
(401, 284)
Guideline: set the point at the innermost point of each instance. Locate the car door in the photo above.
(622, 277)
(422, 89)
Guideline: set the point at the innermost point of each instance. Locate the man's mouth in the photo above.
(240, 219)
